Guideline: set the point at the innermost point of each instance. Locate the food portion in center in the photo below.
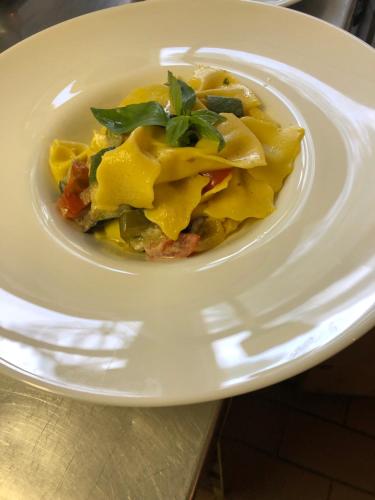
(177, 167)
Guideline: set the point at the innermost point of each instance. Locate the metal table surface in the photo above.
(56, 448)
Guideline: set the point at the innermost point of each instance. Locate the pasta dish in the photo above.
(176, 167)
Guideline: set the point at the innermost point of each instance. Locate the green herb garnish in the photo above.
(209, 116)
(181, 95)
(187, 130)
(205, 129)
(183, 128)
(190, 138)
(220, 104)
(176, 128)
(128, 118)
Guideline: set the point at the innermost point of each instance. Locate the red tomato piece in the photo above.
(216, 176)
(70, 202)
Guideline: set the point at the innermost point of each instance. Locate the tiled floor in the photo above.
(287, 442)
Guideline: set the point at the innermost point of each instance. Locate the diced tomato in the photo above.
(184, 246)
(216, 176)
(70, 202)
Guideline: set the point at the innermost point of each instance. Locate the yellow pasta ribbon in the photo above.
(216, 189)
(158, 93)
(238, 91)
(209, 194)
(260, 114)
(61, 156)
(206, 77)
(99, 141)
(178, 163)
(126, 175)
(245, 197)
(242, 150)
(281, 146)
(217, 82)
(174, 203)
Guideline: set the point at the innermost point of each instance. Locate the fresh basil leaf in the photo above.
(190, 138)
(188, 98)
(95, 161)
(221, 104)
(207, 130)
(210, 116)
(126, 119)
(181, 95)
(176, 128)
(175, 94)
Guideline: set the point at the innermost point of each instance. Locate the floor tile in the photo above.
(341, 492)
(326, 406)
(253, 475)
(361, 415)
(330, 449)
(257, 422)
(350, 372)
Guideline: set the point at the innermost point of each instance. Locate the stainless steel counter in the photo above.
(56, 448)
(338, 12)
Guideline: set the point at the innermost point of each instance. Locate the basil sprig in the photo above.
(186, 130)
(128, 118)
(183, 128)
(176, 128)
(205, 129)
(181, 95)
(209, 116)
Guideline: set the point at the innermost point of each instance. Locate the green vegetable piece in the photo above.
(62, 185)
(210, 116)
(221, 104)
(181, 95)
(205, 129)
(211, 233)
(176, 128)
(95, 218)
(132, 224)
(128, 118)
(95, 161)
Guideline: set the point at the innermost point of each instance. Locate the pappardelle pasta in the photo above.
(177, 167)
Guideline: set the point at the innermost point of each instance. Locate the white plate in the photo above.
(272, 301)
(284, 3)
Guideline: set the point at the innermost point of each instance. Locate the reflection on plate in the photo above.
(273, 300)
(284, 3)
